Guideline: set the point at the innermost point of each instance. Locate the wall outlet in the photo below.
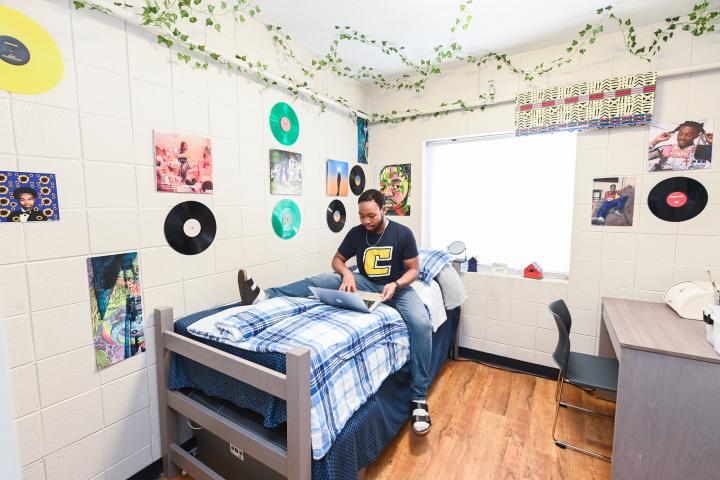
(237, 452)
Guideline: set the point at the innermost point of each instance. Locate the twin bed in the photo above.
(307, 396)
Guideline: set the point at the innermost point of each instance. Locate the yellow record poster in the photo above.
(30, 60)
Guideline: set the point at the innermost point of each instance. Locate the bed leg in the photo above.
(169, 418)
(299, 449)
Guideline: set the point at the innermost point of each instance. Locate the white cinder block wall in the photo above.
(508, 315)
(94, 131)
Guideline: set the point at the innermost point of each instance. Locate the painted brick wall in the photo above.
(94, 130)
(508, 316)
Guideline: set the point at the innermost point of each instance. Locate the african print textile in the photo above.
(619, 101)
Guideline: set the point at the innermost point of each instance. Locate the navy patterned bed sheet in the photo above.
(365, 434)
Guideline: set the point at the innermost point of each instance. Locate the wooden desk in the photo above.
(667, 420)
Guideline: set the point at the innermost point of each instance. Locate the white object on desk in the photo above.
(711, 315)
(689, 298)
(499, 268)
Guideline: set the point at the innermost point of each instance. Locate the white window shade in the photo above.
(510, 199)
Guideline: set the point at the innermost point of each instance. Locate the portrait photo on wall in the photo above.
(680, 146)
(116, 307)
(28, 197)
(285, 173)
(613, 201)
(395, 184)
(363, 139)
(183, 163)
(336, 184)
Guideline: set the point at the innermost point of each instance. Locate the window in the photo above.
(510, 199)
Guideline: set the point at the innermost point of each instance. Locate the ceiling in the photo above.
(419, 25)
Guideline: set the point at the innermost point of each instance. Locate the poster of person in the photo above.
(680, 146)
(285, 173)
(28, 197)
(362, 127)
(336, 184)
(116, 307)
(395, 187)
(613, 200)
(183, 163)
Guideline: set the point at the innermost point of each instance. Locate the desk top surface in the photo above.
(655, 327)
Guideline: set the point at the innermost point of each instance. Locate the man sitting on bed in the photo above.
(388, 262)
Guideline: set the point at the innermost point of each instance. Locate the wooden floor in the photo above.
(493, 424)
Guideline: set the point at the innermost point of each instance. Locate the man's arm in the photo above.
(338, 264)
(412, 270)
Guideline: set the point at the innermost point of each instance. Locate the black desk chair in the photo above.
(579, 369)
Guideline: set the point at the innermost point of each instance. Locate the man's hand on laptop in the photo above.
(348, 283)
(388, 291)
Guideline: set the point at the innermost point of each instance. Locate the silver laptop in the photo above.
(359, 301)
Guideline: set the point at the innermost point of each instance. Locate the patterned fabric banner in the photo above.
(626, 100)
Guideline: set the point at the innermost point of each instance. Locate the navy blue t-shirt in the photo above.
(380, 261)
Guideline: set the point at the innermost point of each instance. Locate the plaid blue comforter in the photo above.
(351, 354)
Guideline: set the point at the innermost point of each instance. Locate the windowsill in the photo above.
(547, 278)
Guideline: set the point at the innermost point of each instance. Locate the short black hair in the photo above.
(372, 195)
(19, 191)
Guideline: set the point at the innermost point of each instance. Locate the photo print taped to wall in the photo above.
(677, 146)
(613, 201)
(183, 163)
(285, 172)
(115, 307)
(395, 182)
(28, 197)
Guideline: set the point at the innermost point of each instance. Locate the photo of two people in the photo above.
(183, 163)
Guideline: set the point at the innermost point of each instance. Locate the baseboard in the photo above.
(154, 471)
(151, 472)
(511, 363)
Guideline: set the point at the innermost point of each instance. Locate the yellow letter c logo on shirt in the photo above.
(372, 257)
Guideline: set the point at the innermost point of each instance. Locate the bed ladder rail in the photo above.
(293, 387)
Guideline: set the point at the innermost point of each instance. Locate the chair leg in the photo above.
(557, 388)
(564, 444)
(586, 410)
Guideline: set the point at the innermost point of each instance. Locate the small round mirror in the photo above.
(457, 247)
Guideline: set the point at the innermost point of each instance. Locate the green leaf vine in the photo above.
(172, 17)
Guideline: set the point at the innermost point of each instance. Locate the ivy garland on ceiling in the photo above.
(172, 17)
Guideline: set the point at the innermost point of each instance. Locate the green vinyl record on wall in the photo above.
(284, 123)
(286, 219)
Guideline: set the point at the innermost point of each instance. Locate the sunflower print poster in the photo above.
(116, 307)
(28, 197)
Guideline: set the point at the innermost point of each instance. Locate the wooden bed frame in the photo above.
(293, 387)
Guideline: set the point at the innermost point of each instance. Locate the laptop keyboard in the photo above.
(368, 303)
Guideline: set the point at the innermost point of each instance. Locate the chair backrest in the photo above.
(561, 314)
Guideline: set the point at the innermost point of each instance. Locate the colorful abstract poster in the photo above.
(395, 186)
(612, 102)
(285, 173)
(363, 139)
(116, 307)
(28, 197)
(613, 201)
(680, 146)
(183, 163)
(336, 184)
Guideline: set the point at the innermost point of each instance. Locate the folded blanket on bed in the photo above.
(431, 296)
(351, 354)
(244, 322)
